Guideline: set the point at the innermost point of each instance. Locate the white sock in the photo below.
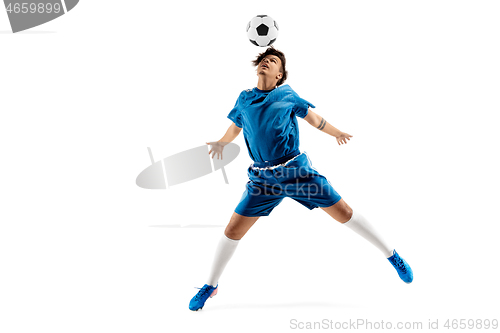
(223, 253)
(362, 227)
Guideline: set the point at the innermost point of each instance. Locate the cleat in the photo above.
(404, 270)
(198, 301)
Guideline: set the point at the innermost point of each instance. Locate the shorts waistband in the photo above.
(277, 162)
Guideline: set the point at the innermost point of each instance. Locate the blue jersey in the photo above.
(268, 119)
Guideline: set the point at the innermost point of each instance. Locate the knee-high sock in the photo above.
(360, 225)
(223, 253)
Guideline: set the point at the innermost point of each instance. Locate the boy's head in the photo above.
(275, 61)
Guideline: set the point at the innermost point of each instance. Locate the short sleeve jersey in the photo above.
(268, 119)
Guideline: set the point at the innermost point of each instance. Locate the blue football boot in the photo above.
(198, 301)
(402, 267)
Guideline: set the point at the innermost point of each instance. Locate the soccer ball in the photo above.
(262, 30)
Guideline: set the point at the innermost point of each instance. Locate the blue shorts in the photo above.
(292, 176)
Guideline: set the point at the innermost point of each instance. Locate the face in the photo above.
(270, 66)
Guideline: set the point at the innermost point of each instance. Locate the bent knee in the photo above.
(233, 233)
(340, 211)
(345, 215)
(345, 212)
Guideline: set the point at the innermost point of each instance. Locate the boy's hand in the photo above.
(341, 139)
(217, 148)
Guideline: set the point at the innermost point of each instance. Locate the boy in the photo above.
(267, 115)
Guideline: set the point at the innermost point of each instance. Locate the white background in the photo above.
(84, 249)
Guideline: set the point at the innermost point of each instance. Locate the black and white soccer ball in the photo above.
(262, 30)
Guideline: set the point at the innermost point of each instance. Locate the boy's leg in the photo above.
(235, 230)
(360, 225)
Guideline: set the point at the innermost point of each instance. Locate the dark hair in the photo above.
(272, 51)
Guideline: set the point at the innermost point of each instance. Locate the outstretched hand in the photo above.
(216, 148)
(341, 139)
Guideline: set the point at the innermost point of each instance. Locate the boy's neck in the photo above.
(264, 84)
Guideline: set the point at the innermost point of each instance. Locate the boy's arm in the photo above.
(320, 123)
(218, 146)
(231, 133)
